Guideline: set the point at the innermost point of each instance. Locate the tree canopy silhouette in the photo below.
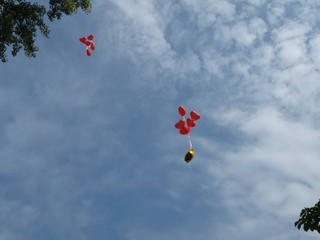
(309, 218)
(20, 20)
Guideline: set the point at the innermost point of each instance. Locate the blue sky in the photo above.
(88, 148)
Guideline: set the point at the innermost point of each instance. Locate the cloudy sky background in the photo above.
(87, 144)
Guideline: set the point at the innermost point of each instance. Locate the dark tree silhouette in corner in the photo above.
(309, 218)
(20, 19)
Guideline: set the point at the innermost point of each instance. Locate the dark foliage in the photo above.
(309, 218)
(20, 20)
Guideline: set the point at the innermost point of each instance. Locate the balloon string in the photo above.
(190, 143)
(189, 138)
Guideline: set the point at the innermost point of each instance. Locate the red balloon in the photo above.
(195, 116)
(184, 131)
(190, 123)
(182, 111)
(93, 46)
(90, 37)
(88, 43)
(83, 40)
(88, 53)
(180, 124)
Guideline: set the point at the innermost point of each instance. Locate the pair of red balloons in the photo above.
(186, 125)
(88, 42)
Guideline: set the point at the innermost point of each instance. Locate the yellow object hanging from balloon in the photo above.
(189, 155)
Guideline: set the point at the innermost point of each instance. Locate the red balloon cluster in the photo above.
(88, 42)
(184, 125)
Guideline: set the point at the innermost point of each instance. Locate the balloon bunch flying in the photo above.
(89, 44)
(185, 126)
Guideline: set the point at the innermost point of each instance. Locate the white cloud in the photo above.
(275, 12)
(240, 34)
(315, 50)
(140, 30)
(257, 2)
(243, 33)
(291, 43)
(274, 174)
(208, 12)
